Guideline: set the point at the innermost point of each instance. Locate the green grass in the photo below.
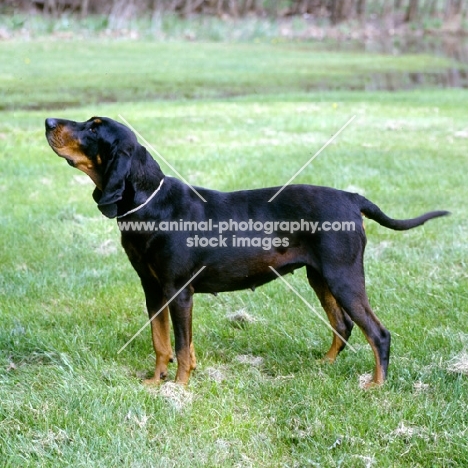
(69, 298)
(47, 74)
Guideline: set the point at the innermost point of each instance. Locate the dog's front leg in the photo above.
(181, 314)
(160, 328)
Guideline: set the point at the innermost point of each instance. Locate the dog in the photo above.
(175, 264)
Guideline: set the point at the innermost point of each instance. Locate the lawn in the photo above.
(230, 116)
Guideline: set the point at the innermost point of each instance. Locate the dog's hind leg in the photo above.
(348, 288)
(339, 319)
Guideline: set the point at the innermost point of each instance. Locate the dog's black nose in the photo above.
(50, 124)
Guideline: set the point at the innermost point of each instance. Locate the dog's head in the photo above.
(100, 147)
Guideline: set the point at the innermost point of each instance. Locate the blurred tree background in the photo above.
(336, 11)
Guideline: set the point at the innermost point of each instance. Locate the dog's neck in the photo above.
(144, 179)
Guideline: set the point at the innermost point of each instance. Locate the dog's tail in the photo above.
(372, 211)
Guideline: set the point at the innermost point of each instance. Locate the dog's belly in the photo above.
(232, 283)
(248, 272)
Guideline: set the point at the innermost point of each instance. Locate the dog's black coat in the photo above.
(126, 175)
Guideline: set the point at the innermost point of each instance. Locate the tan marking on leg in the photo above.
(333, 311)
(193, 359)
(378, 378)
(334, 350)
(160, 332)
(184, 366)
(379, 374)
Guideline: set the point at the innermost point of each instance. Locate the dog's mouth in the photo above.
(64, 148)
(57, 145)
(61, 154)
(77, 159)
(70, 162)
(54, 138)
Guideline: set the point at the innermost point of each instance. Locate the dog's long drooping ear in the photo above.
(115, 172)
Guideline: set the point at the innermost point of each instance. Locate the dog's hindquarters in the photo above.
(340, 284)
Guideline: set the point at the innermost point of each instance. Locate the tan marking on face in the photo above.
(68, 147)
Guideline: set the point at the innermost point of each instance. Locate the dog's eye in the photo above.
(92, 129)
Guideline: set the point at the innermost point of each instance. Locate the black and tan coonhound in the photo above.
(173, 264)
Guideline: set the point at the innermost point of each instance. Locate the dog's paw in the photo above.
(326, 360)
(156, 380)
(367, 382)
